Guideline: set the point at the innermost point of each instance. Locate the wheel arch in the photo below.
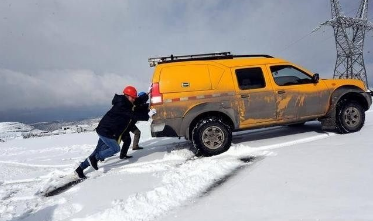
(346, 92)
(350, 93)
(206, 110)
(356, 97)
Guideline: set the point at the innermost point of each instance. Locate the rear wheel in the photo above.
(211, 136)
(350, 116)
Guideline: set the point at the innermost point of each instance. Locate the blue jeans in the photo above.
(105, 148)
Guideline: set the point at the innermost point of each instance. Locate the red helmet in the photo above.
(130, 91)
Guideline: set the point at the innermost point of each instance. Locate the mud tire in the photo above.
(211, 136)
(350, 116)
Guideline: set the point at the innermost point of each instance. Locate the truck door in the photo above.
(297, 95)
(257, 101)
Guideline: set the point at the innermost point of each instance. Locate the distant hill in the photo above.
(54, 125)
(12, 130)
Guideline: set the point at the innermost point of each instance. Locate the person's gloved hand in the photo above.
(152, 112)
(150, 88)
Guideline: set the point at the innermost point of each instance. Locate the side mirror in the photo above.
(315, 78)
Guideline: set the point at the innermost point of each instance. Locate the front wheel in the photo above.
(211, 136)
(350, 117)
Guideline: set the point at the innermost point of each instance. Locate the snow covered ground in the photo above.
(13, 130)
(278, 173)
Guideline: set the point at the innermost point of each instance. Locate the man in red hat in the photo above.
(140, 106)
(111, 127)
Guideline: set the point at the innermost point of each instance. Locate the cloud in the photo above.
(60, 88)
(77, 53)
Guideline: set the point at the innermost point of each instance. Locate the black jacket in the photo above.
(141, 108)
(140, 105)
(118, 119)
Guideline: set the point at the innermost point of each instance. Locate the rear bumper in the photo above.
(166, 128)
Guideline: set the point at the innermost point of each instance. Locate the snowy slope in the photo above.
(278, 173)
(55, 125)
(13, 130)
(326, 179)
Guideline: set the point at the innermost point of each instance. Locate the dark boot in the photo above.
(126, 145)
(123, 154)
(137, 148)
(79, 173)
(93, 162)
(124, 157)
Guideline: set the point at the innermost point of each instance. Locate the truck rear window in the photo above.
(250, 78)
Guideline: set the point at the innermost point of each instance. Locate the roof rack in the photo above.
(198, 57)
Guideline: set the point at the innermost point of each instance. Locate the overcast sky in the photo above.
(78, 53)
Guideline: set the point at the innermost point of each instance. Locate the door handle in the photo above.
(280, 92)
(245, 95)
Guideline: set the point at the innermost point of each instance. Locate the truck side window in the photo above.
(250, 78)
(285, 75)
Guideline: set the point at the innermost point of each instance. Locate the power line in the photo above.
(296, 41)
(310, 33)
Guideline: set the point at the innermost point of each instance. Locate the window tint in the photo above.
(250, 78)
(287, 75)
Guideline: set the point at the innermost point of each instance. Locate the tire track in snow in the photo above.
(188, 181)
(35, 165)
(247, 160)
(11, 182)
(179, 185)
(281, 145)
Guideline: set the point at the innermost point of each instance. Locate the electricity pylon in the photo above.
(349, 36)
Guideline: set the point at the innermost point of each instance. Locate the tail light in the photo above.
(155, 95)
